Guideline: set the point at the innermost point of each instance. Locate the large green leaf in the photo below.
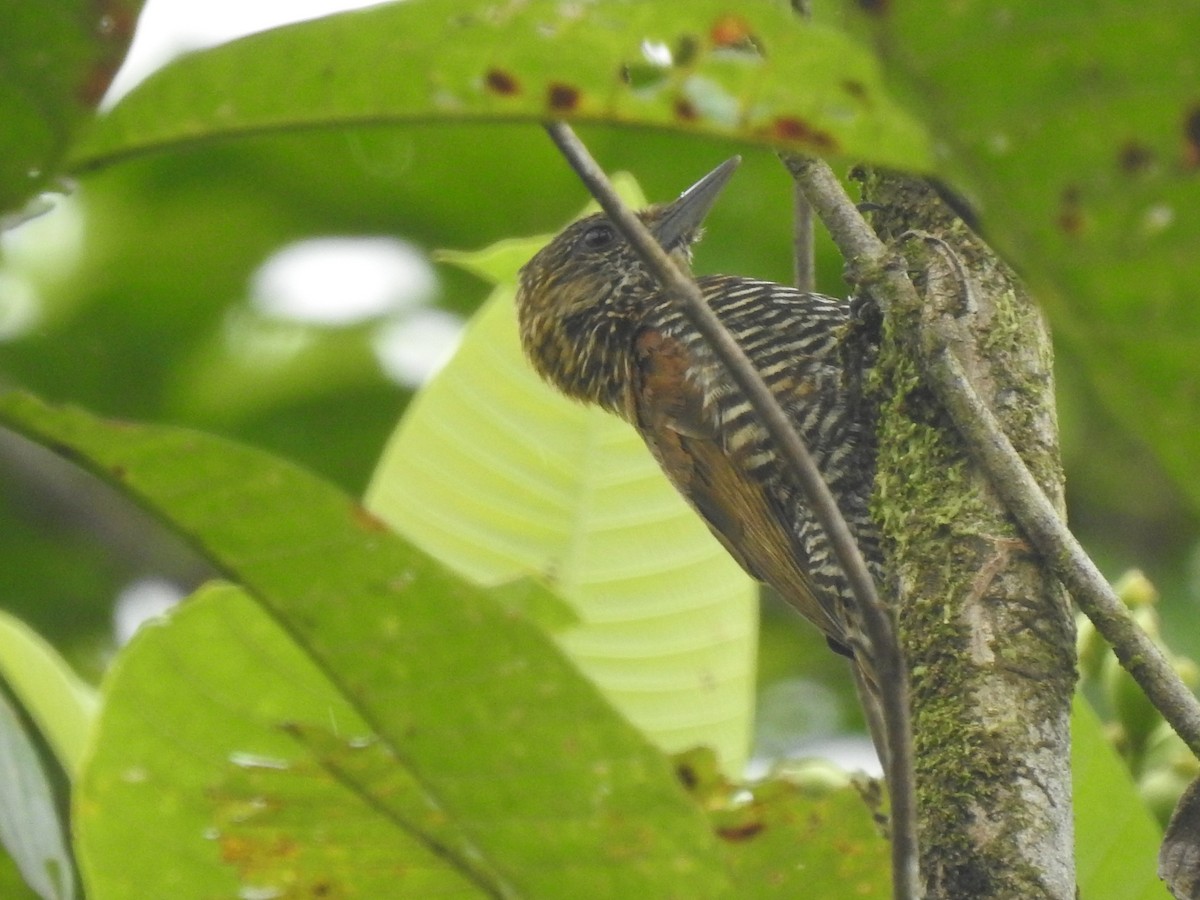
(237, 805)
(553, 790)
(31, 829)
(58, 58)
(1076, 128)
(59, 702)
(12, 885)
(496, 475)
(1116, 838)
(759, 74)
(804, 833)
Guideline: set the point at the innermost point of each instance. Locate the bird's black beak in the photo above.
(685, 215)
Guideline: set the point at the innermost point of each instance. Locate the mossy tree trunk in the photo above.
(987, 632)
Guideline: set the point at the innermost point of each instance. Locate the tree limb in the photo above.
(878, 268)
(943, 342)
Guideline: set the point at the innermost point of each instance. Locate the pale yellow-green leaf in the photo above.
(61, 704)
(499, 477)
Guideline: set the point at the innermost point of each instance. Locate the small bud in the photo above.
(1135, 589)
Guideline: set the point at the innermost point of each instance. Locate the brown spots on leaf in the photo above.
(741, 832)
(235, 849)
(402, 582)
(1191, 139)
(855, 89)
(687, 48)
(1070, 218)
(1134, 158)
(115, 21)
(687, 776)
(562, 97)
(246, 852)
(730, 31)
(685, 110)
(95, 82)
(119, 472)
(112, 23)
(500, 82)
(367, 520)
(795, 130)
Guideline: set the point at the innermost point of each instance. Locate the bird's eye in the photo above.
(598, 237)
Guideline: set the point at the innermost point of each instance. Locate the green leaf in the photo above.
(794, 835)
(1116, 838)
(12, 885)
(1076, 128)
(757, 74)
(61, 704)
(555, 792)
(498, 476)
(59, 58)
(30, 827)
(238, 805)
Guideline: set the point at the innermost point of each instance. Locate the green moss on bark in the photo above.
(986, 632)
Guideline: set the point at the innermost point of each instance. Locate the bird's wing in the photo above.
(670, 415)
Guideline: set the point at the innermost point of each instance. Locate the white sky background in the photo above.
(168, 28)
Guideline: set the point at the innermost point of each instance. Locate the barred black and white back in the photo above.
(796, 341)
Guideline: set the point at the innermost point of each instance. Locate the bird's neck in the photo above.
(599, 362)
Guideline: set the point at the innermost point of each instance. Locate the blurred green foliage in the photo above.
(137, 278)
(1073, 131)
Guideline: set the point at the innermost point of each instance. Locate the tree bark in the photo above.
(987, 631)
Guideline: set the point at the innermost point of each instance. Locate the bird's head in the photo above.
(582, 297)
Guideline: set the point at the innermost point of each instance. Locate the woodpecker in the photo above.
(597, 326)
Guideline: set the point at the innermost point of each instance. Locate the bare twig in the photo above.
(804, 261)
(884, 650)
(993, 451)
(802, 241)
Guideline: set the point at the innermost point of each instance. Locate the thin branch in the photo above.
(884, 647)
(993, 451)
(802, 242)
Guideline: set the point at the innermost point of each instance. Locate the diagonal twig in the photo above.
(877, 623)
